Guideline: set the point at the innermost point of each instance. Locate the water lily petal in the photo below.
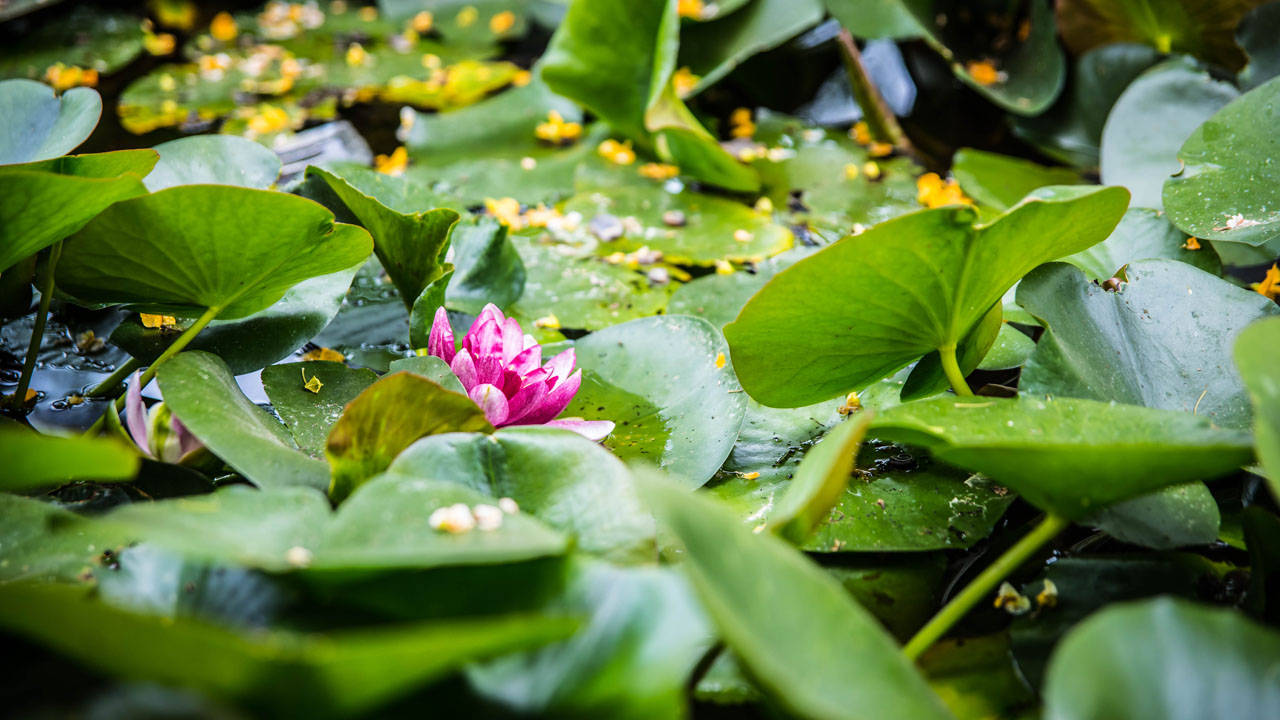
(556, 400)
(590, 429)
(490, 313)
(440, 343)
(525, 400)
(527, 360)
(489, 370)
(465, 368)
(491, 401)
(560, 365)
(512, 339)
(135, 415)
(484, 339)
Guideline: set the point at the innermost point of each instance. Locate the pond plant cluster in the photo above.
(672, 358)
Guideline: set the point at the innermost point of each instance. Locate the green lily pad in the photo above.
(875, 18)
(37, 461)
(1066, 455)
(489, 269)
(42, 542)
(1142, 234)
(714, 229)
(213, 160)
(810, 646)
(977, 678)
(193, 248)
(1254, 35)
(1168, 311)
(388, 417)
(1010, 350)
(719, 298)
(86, 37)
(1226, 189)
(321, 675)
(1255, 356)
(40, 125)
(1174, 517)
(820, 480)
(581, 293)
(255, 341)
(632, 658)
(901, 290)
(559, 477)
(1164, 658)
(1139, 154)
(1196, 27)
(1000, 181)
(311, 415)
(430, 367)
(382, 526)
(200, 391)
(409, 241)
(666, 384)
(1071, 130)
(712, 50)
(44, 202)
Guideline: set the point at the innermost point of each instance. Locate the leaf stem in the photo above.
(951, 367)
(178, 346)
(982, 585)
(19, 398)
(881, 121)
(112, 381)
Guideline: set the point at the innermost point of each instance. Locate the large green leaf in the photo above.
(196, 247)
(1066, 455)
(281, 673)
(86, 36)
(42, 542)
(1071, 131)
(388, 417)
(310, 416)
(666, 384)
(820, 479)
(1173, 517)
(40, 125)
(489, 269)
(1142, 234)
(1204, 28)
(815, 650)
(1001, 181)
(35, 460)
(409, 238)
(1227, 187)
(1140, 154)
(559, 477)
(213, 160)
(1255, 356)
(254, 341)
(44, 202)
(713, 49)
(875, 18)
(200, 391)
(632, 658)
(1165, 659)
(858, 310)
(1162, 340)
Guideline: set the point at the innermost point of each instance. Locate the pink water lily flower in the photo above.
(501, 368)
(158, 433)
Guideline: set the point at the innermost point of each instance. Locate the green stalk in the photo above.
(19, 398)
(951, 367)
(881, 122)
(982, 586)
(178, 346)
(112, 381)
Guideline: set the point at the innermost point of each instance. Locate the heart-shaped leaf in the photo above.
(1139, 154)
(40, 125)
(1001, 181)
(858, 310)
(213, 160)
(1142, 234)
(1255, 356)
(193, 248)
(809, 645)
(712, 50)
(1164, 659)
(202, 393)
(1227, 187)
(489, 269)
(875, 18)
(310, 416)
(666, 384)
(1065, 455)
(409, 239)
(559, 477)
(386, 418)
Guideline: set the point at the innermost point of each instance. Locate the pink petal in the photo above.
(529, 342)
(486, 339)
(489, 370)
(590, 429)
(440, 343)
(525, 400)
(187, 443)
(560, 365)
(135, 415)
(527, 360)
(512, 339)
(489, 313)
(492, 402)
(465, 368)
(556, 401)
